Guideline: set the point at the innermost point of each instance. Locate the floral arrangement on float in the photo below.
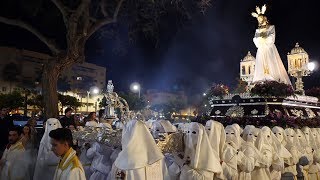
(272, 89)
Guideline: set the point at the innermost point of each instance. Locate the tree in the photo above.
(80, 20)
(67, 100)
(36, 101)
(135, 103)
(13, 100)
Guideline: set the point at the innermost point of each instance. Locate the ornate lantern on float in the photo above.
(298, 66)
(247, 65)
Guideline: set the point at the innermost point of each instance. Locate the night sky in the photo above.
(204, 51)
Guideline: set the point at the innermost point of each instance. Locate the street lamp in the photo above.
(135, 87)
(93, 90)
(311, 66)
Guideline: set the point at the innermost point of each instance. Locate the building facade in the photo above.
(23, 69)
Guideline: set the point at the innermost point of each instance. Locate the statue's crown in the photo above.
(259, 11)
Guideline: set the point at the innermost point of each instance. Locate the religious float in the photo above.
(269, 89)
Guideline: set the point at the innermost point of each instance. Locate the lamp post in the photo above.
(299, 66)
(93, 90)
(135, 87)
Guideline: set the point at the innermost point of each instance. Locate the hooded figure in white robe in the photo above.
(202, 161)
(47, 161)
(279, 133)
(272, 152)
(163, 127)
(140, 158)
(316, 148)
(253, 155)
(232, 156)
(217, 136)
(305, 150)
(313, 171)
(291, 145)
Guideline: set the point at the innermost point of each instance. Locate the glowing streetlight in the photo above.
(204, 94)
(311, 66)
(135, 87)
(94, 90)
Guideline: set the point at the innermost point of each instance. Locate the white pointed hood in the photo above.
(217, 136)
(202, 156)
(51, 124)
(138, 147)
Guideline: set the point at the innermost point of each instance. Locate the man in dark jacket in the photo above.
(67, 119)
(5, 124)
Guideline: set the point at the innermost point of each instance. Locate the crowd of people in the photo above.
(211, 151)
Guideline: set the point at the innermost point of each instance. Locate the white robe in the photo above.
(91, 124)
(252, 158)
(69, 168)
(101, 163)
(140, 158)
(155, 171)
(204, 161)
(47, 161)
(13, 166)
(86, 162)
(268, 65)
(188, 173)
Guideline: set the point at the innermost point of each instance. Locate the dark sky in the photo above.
(206, 50)
(209, 50)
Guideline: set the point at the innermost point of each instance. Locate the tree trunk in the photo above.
(50, 76)
(25, 110)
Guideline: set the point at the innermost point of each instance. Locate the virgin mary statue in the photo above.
(269, 66)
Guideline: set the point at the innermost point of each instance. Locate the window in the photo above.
(243, 70)
(249, 72)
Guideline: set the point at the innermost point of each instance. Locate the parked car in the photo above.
(21, 120)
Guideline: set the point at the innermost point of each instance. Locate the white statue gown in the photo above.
(268, 65)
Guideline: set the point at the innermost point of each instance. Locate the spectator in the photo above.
(5, 124)
(27, 137)
(28, 141)
(91, 120)
(76, 119)
(67, 119)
